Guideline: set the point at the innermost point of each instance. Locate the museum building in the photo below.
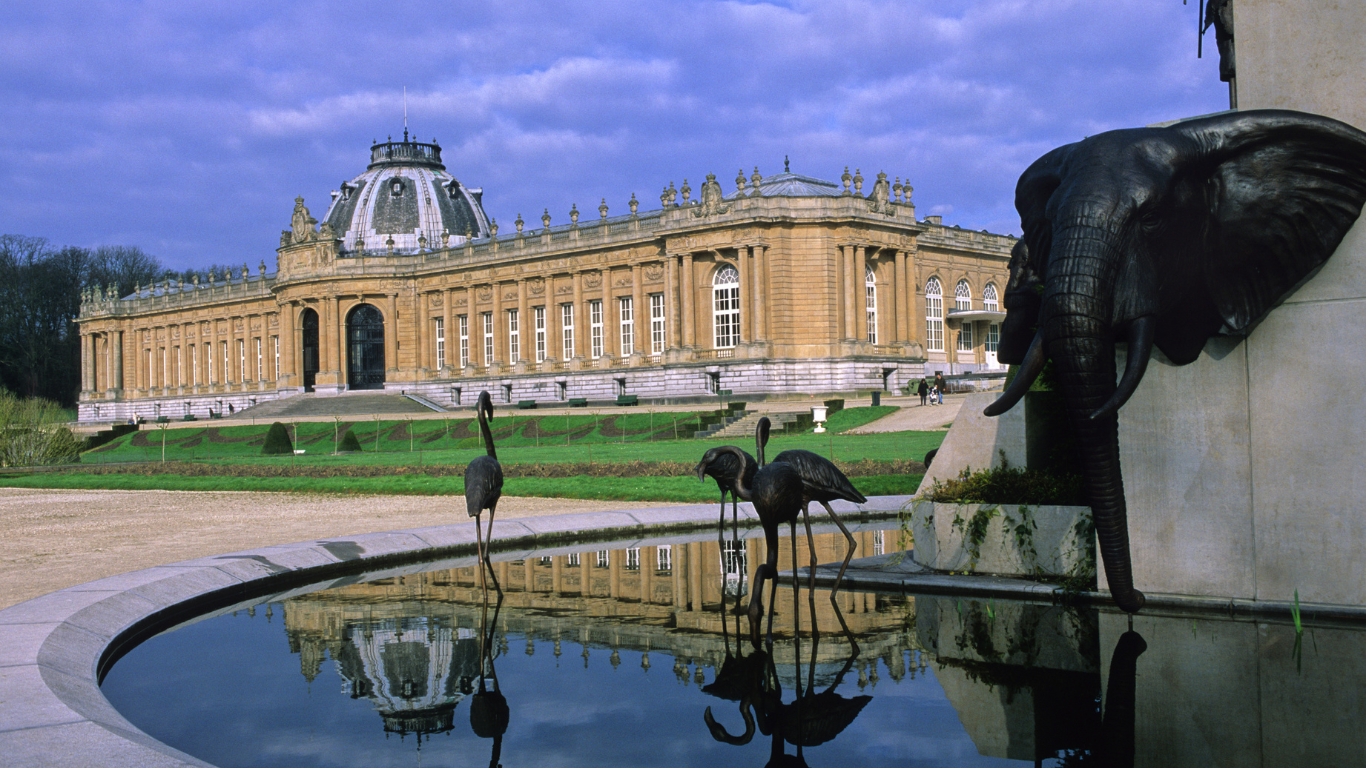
(786, 286)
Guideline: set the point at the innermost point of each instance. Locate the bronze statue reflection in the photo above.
(488, 707)
(483, 487)
(810, 720)
(1117, 728)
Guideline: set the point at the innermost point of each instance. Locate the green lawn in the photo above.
(674, 489)
(406, 446)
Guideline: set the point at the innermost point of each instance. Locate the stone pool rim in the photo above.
(55, 648)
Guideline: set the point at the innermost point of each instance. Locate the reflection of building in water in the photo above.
(410, 643)
(414, 668)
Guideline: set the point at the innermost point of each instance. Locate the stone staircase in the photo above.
(741, 427)
(349, 404)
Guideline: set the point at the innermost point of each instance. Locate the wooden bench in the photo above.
(628, 400)
(578, 402)
(526, 404)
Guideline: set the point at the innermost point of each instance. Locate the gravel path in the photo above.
(56, 538)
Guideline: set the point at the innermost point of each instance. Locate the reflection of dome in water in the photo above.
(415, 670)
(405, 195)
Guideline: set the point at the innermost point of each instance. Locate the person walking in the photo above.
(939, 386)
(923, 391)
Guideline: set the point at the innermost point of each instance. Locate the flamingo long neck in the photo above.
(487, 433)
(741, 486)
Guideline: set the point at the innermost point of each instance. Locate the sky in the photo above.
(187, 128)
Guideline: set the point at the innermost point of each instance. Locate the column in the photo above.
(672, 296)
(526, 333)
(689, 312)
(116, 374)
(326, 328)
(846, 291)
(452, 333)
(390, 332)
(339, 340)
(858, 298)
(288, 365)
(746, 306)
(640, 312)
(554, 333)
(899, 328)
(422, 361)
(582, 331)
(763, 328)
(500, 352)
(87, 360)
(611, 319)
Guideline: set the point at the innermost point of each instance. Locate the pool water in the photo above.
(639, 656)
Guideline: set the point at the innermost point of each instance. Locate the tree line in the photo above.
(41, 285)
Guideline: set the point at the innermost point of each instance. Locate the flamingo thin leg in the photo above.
(848, 555)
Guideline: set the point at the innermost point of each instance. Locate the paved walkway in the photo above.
(56, 539)
(914, 416)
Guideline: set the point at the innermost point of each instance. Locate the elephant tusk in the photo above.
(1030, 368)
(1140, 349)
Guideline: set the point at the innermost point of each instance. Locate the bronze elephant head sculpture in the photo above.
(1163, 237)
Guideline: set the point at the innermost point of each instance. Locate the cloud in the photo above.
(189, 130)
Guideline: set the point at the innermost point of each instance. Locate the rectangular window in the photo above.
(177, 366)
(194, 364)
(514, 337)
(242, 359)
(488, 338)
(965, 337)
(656, 324)
(464, 341)
(934, 323)
(664, 558)
(633, 559)
(879, 542)
(275, 341)
(208, 359)
(993, 337)
(567, 324)
(540, 334)
(871, 291)
(603, 560)
(628, 326)
(260, 361)
(440, 336)
(733, 558)
(223, 347)
(726, 315)
(572, 560)
(595, 328)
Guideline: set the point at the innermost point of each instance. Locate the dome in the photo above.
(405, 195)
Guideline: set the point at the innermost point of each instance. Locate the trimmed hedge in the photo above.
(349, 443)
(277, 441)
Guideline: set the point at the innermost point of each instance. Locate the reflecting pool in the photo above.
(640, 656)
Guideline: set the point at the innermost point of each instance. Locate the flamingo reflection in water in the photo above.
(484, 487)
(489, 713)
(810, 720)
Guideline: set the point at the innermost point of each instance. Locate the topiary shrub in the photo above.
(277, 441)
(349, 443)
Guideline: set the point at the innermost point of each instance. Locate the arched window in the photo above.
(993, 339)
(870, 290)
(725, 293)
(989, 301)
(934, 316)
(962, 296)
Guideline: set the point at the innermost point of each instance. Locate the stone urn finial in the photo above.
(545, 219)
(634, 203)
(574, 213)
(740, 180)
(519, 223)
(602, 209)
(846, 178)
(686, 191)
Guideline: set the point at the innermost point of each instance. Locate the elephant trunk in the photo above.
(1075, 323)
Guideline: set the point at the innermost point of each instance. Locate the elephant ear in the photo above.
(1283, 189)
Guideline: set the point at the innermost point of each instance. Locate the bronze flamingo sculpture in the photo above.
(822, 482)
(484, 486)
(733, 470)
(777, 495)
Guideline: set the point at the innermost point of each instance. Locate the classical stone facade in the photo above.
(788, 285)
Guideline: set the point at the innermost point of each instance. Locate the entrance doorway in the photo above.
(309, 345)
(365, 348)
